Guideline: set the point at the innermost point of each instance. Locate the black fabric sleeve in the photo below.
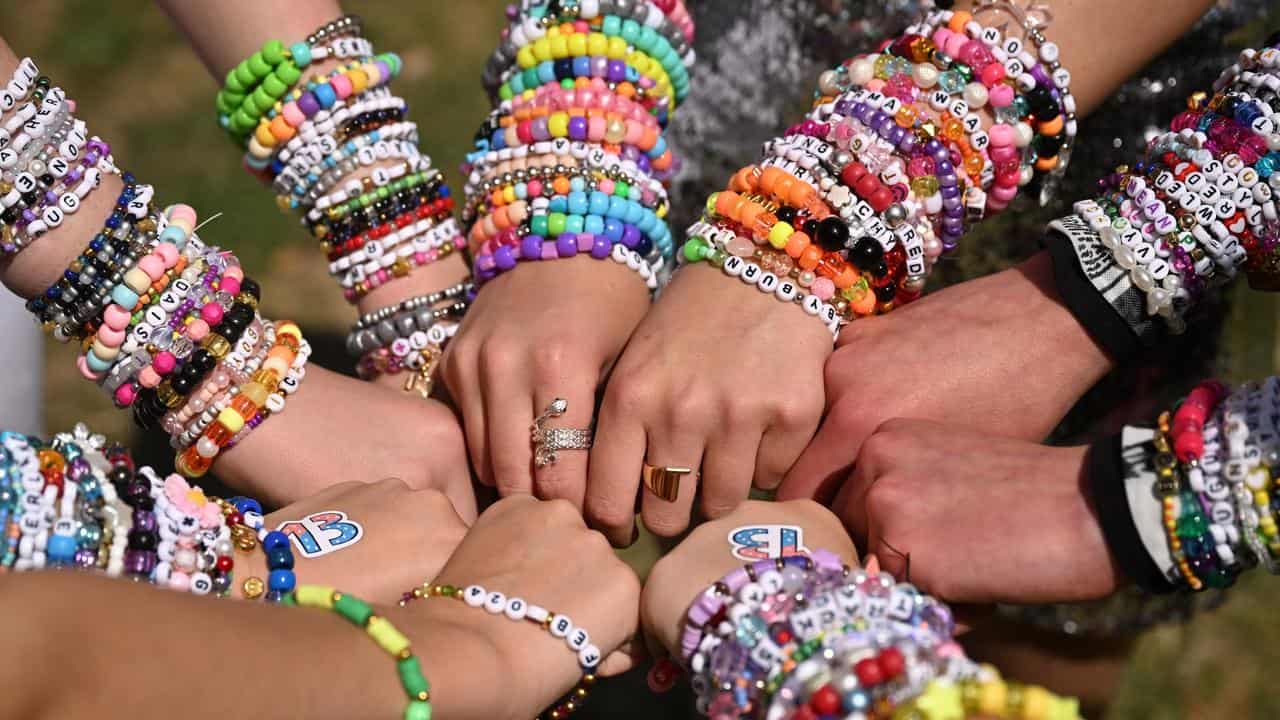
(1098, 292)
(1106, 482)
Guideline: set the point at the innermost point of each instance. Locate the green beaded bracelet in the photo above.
(360, 614)
(253, 87)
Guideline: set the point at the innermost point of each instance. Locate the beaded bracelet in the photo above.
(305, 170)
(98, 511)
(294, 115)
(516, 609)
(531, 21)
(804, 637)
(392, 641)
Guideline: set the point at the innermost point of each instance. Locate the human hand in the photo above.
(542, 331)
(976, 518)
(717, 377)
(374, 540)
(707, 555)
(543, 552)
(999, 354)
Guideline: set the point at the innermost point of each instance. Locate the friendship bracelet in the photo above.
(557, 625)
(383, 633)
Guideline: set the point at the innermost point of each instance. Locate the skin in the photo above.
(983, 325)
(408, 536)
(719, 414)
(309, 662)
(1020, 527)
(660, 409)
(513, 356)
(989, 377)
(704, 557)
(385, 434)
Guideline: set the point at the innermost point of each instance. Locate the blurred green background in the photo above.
(141, 88)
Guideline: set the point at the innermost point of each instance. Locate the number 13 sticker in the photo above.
(323, 532)
(766, 542)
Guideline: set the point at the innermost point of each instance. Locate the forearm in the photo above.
(388, 258)
(1098, 68)
(281, 662)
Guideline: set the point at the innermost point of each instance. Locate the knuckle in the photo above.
(878, 450)
(806, 508)
(625, 583)
(885, 497)
(668, 524)
(895, 425)
(510, 480)
(610, 513)
(562, 512)
(501, 357)
(716, 506)
(692, 410)
(796, 412)
(392, 484)
(551, 358)
(628, 393)
(430, 500)
(551, 485)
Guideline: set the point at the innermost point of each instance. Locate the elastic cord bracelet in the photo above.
(516, 609)
(384, 634)
(531, 20)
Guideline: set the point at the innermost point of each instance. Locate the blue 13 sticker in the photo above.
(766, 542)
(323, 532)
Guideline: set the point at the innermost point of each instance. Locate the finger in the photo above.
(727, 466)
(613, 474)
(893, 560)
(567, 477)
(672, 446)
(779, 449)
(508, 415)
(468, 395)
(820, 467)
(851, 505)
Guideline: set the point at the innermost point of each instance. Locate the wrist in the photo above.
(462, 662)
(702, 285)
(1032, 282)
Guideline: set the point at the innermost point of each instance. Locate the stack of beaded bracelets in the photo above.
(573, 157)
(306, 137)
(337, 149)
(1213, 463)
(1200, 205)
(805, 637)
(47, 163)
(161, 316)
(559, 626)
(848, 211)
(79, 502)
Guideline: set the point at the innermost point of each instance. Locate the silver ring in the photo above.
(548, 441)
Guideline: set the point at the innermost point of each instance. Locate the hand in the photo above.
(717, 377)
(705, 556)
(405, 537)
(541, 331)
(542, 551)
(384, 434)
(981, 519)
(1000, 354)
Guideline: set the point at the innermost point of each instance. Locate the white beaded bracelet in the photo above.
(560, 626)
